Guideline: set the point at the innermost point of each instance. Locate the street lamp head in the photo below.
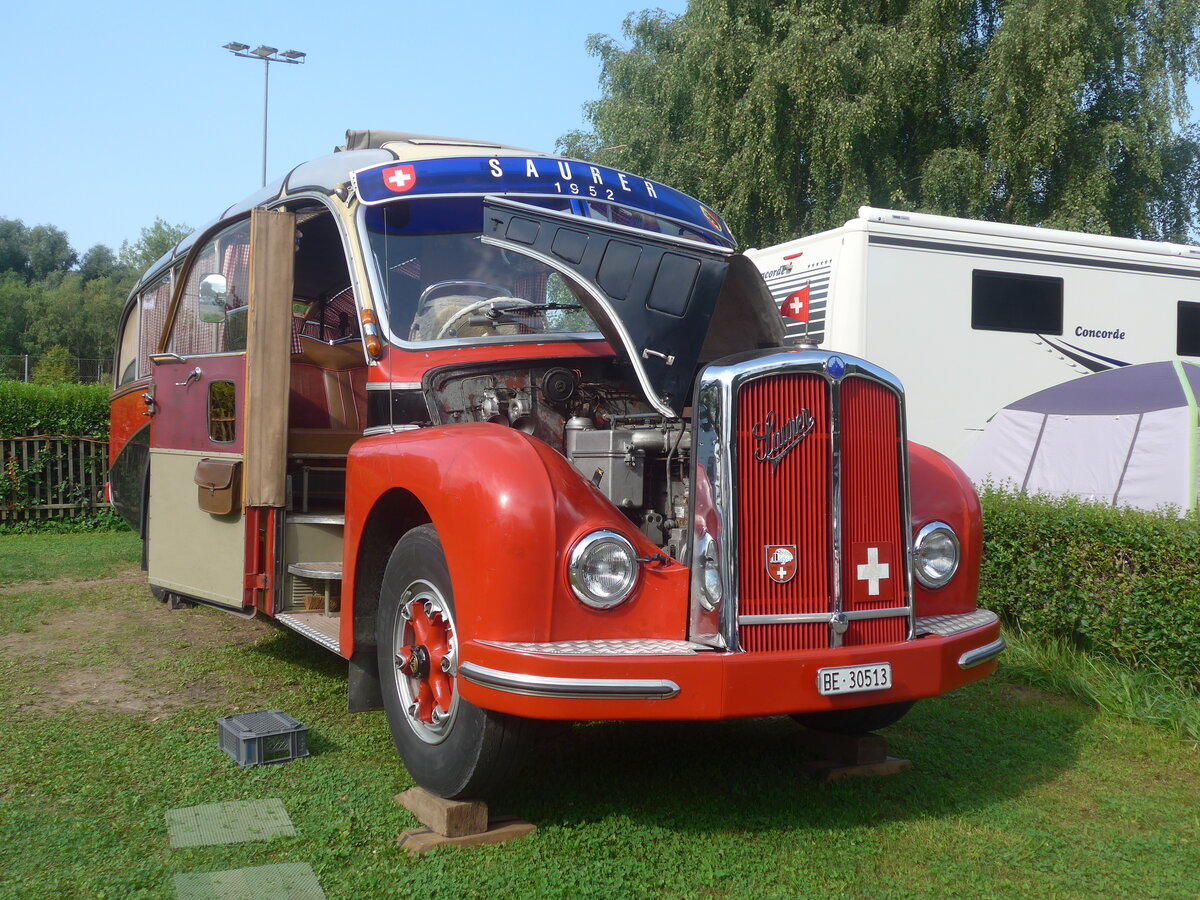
(264, 51)
(293, 55)
(235, 47)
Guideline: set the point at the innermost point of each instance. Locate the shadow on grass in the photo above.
(969, 750)
(294, 649)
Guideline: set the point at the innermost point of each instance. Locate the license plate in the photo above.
(854, 679)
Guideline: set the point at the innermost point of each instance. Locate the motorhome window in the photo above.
(442, 283)
(222, 421)
(153, 302)
(227, 254)
(1006, 301)
(1187, 329)
(127, 347)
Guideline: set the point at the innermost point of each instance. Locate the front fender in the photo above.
(508, 509)
(941, 492)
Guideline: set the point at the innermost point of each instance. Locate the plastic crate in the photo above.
(260, 738)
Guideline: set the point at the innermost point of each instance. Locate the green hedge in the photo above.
(1123, 583)
(79, 410)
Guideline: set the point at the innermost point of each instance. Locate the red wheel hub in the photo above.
(421, 659)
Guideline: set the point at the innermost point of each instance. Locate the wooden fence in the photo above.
(49, 476)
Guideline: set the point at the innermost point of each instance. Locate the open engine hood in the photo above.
(670, 304)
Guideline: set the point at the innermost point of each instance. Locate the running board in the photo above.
(324, 630)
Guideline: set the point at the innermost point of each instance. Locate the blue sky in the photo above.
(118, 112)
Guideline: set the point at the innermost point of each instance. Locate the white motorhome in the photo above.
(975, 315)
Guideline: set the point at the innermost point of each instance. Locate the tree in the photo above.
(14, 255)
(98, 262)
(155, 240)
(787, 116)
(53, 367)
(49, 251)
(15, 300)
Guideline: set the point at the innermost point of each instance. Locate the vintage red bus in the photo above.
(520, 438)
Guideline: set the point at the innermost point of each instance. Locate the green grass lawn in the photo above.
(107, 702)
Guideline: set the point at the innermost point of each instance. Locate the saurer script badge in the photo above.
(778, 442)
(781, 562)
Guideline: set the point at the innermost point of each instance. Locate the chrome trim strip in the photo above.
(569, 688)
(854, 615)
(837, 628)
(394, 386)
(983, 654)
(389, 429)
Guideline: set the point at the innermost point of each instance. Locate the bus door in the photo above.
(219, 423)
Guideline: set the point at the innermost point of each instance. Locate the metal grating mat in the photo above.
(228, 823)
(285, 881)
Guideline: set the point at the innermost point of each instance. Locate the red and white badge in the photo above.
(796, 305)
(781, 562)
(399, 179)
(873, 572)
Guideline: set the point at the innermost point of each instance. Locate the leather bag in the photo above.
(218, 486)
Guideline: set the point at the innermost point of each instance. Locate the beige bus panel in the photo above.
(268, 346)
(201, 553)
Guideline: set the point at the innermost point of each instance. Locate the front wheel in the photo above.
(855, 721)
(450, 747)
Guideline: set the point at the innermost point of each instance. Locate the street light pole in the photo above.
(268, 55)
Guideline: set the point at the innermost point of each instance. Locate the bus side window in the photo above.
(127, 347)
(222, 414)
(153, 303)
(226, 253)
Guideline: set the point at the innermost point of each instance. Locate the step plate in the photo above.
(316, 627)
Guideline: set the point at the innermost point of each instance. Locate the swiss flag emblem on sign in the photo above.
(796, 305)
(872, 573)
(399, 178)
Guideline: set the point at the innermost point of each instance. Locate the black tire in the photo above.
(855, 721)
(450, 747)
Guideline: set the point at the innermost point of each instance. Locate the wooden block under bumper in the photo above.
(419, 841)
(448, 818)
(826, 770)
(850, 749)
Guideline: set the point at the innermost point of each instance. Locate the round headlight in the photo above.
(603, 569)
(935, 555)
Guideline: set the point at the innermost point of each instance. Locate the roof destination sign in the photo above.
(535, 176)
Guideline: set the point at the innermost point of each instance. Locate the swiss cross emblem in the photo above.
(873, 571)
(781, 562)
(796, 305)
(399, 178)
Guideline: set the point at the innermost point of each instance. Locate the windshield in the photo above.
(442, 283)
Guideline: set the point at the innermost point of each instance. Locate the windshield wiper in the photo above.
(499, 310)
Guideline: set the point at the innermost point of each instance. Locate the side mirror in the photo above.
(212, 298)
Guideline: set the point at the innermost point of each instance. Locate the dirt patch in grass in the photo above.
(1028, 695)
(125, 576)
(131, 626)
(117, 689)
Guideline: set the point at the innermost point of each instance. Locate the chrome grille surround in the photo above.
(714, 495)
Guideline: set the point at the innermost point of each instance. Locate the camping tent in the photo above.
(1126, 436)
